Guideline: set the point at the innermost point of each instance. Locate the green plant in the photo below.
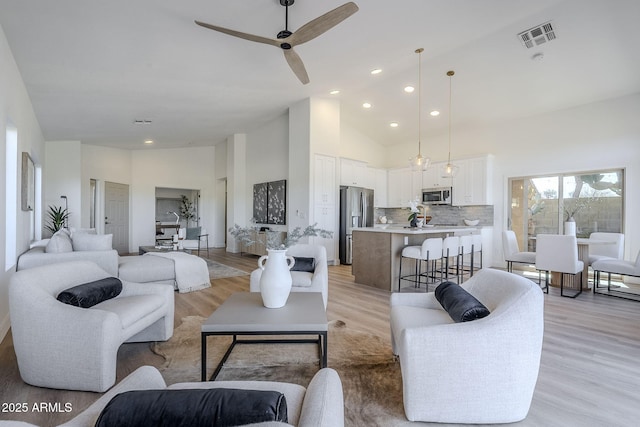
(186, 209)
(56, 218)
(245, 235)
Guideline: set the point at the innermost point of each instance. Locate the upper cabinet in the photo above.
(354, 172)
(473, 183)
(325, 180)
(379, 179)
(399, 187)
(432, 177)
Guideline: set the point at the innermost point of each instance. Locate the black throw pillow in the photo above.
(304, 264)
(460, 304)
(89, 294)
(218, 407)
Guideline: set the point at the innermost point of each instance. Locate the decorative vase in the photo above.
(570, 227)
(275, 282)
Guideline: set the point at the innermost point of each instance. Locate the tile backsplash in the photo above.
(441, 214)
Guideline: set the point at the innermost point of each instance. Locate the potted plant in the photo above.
(187, 209)
(57, 218)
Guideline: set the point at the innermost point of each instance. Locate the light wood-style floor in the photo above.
(589, 374)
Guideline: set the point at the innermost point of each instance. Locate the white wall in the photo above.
(103, 164)
(15, 110)
(356, 145)
(595, 136)
(267, 158)
(62, 177)
(191, 168)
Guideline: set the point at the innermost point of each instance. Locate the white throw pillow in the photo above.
(92, 242)
(60, 242)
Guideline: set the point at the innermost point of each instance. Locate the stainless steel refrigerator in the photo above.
(356, 210)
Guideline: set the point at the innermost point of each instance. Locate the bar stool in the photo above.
(466, 248)
(431, 253)
(450, 253)
(415, 253)
(477, 249)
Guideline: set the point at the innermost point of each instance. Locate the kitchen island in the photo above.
(377, 250)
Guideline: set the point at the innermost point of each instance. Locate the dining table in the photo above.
(583, 255)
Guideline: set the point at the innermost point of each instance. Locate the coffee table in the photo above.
(244, 314)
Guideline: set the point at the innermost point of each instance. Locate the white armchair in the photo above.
(320, 404)
(479, 372)
(62, 346)
(318, 281)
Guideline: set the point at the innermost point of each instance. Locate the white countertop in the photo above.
(399, 229)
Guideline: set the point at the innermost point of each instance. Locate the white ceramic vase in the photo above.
(570, 227)
(275, 282)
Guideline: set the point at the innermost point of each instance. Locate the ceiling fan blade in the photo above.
(314, 28)
(296, 65)
(239, 34)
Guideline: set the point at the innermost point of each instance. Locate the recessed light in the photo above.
(334, 92)
(393, 124)
(148, 141)
(435, 113)
(366, 105)
(376, 71)
(409, 89)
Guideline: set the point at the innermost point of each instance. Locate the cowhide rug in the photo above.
(371, 378)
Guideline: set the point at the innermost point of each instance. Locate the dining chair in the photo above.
(512, 251)
(559, 253)
(614, 251)
(615, 266)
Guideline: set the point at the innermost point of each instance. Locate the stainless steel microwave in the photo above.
(436, 196)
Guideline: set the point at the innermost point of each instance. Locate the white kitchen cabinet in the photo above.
(432, 177)
(379, 187)
(399, 187)
(325, 216)
(325, 207)
(325, 188)
(354, 172)
(473, 183)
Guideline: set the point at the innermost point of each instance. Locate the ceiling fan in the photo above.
(286, 39)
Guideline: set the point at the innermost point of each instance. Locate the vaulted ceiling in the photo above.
(94, 68)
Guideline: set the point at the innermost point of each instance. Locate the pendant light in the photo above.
(418, 162)
(450, 170)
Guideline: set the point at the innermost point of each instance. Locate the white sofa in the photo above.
(320, 404)
(318, 281)
(479, 372)
(65, 246)
(62, 346)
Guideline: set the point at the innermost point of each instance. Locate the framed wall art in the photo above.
(270, 202)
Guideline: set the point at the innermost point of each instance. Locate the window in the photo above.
(595, 200)
(11, 196)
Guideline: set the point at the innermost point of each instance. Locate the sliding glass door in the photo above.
(541, 205)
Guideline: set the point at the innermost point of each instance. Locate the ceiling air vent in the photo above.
(537, 35)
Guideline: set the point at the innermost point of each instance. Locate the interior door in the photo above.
(116, 219)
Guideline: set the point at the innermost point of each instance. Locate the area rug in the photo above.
(220, 271)
(371, 377)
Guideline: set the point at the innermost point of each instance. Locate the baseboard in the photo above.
(4, 327)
